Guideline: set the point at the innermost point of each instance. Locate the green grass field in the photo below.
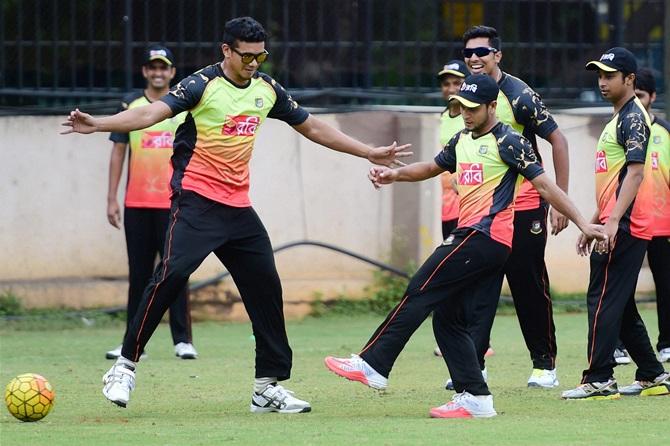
(205, 402)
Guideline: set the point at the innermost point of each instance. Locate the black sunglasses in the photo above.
(247, 58)
(480, 51)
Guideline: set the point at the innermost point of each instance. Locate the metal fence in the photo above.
(56, 53)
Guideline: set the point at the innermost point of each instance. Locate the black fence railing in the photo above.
(55, 53)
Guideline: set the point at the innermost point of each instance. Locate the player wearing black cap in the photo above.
(625, 207)
(489, 160)
(147, 199)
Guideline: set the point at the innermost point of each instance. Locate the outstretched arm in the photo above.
(124, 122)
(414, 172)
(557, 198)
(322, 133)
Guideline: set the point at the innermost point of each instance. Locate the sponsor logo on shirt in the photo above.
(240, 125)
(654, 160)
(157, 140)
(601, 161)
(471, 174)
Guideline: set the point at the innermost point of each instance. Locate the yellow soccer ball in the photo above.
(29, 397)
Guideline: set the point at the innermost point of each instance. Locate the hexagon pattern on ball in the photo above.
(29, 397)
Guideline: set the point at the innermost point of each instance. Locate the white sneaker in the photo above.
(119, 381)
(621, 356)
(466, 405)
(275, 398)
(606, 390)
(116, 353)
(543, 378)
(356, 369)
(659, 386)
(664, 355)
(450, 383)
(185, 350)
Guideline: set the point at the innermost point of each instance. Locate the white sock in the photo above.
(261, 383)
(126, 362)
(482, 397)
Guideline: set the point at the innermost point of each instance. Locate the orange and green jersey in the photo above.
(213, 146)
(624, 141)
(520, 107)
(149, 168)
(449, 126)
(656, 183)
(489, 170)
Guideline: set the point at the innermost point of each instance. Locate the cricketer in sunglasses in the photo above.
(523, 110)
(226, 103)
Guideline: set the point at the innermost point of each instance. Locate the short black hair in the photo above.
(244, 29)
(644, 80)
(483, 31)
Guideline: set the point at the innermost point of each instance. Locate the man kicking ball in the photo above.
(490, 159)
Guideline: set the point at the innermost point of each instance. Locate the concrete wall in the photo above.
(53, 225)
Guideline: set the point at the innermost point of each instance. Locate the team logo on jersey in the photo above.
(449, 240)
(536, 227)
(483, 149)
(157, 140)
(656, 139)
(654, 160)
(601, 161)
(240, 125)
(470, 174)
(259, 102)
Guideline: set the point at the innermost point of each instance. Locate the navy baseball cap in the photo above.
(455, 68)
(158, 52)
(476, 89)
(614, 59)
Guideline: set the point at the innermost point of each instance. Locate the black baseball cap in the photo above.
(455, 68)
(476, 89)
(614, 59)
(158, 52)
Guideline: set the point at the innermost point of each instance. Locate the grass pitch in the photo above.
(206, 401)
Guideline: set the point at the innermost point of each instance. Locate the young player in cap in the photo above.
(522, 109)
(626, 211)
(451, 122)
(211, 212)
(489, 159)
(147, 201)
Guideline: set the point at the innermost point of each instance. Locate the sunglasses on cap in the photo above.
(247, 58)
(480, 51)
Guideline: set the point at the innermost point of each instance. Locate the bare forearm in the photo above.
(418, 171)
(559, 200)
(134, 118)
(328, 136)
(115, 168)
(627, 193)
(561, 158)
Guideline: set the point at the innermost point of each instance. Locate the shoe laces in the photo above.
(122, 375)
(458, 398)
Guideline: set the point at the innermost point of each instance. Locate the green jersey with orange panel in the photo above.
(149, 168)
(657, 176)
(449, 126)
(489, 170)
(520, 107)
(214, 144)
(623, 142)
